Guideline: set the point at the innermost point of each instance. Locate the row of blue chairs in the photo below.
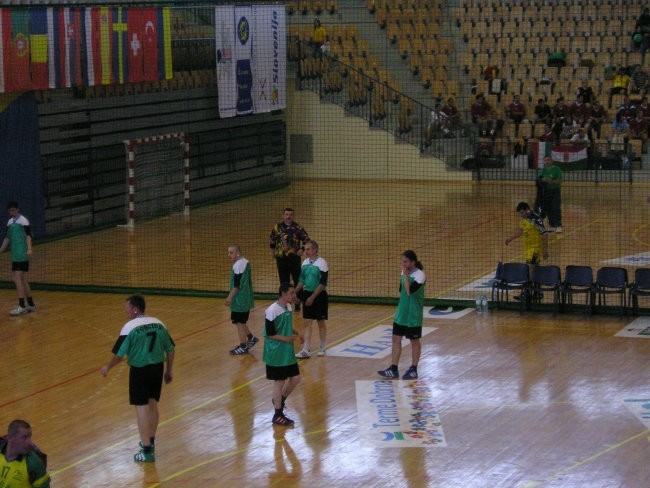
(577, 280)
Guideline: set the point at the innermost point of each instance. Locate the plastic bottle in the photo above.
(479, 308)
(484, 304)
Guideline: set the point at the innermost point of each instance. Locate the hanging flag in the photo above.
(149, 41)
(570, 156)
(120, 44)
(135, 38)
(165, 68)
(540, 150)
(99, 30)
(15, 50)
(38, 38)
(65, 71)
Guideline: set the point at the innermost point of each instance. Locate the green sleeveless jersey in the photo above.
(278, 321)
(410, 309)
(18, 238)
(313, 273)
(240, 277)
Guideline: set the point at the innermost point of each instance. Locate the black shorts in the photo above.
(239, 317)
(145, 383)
(318, 309)
(282, 372)
(408, 332)
(20, 266)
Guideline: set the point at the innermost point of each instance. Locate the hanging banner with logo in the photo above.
(269, 58)
(251, 59)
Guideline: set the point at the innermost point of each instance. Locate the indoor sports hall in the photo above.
(139, 181)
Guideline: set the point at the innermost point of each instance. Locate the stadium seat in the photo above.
(611, 281)
(513, 277)
(578, 280)
(640, 287)
(546, 279)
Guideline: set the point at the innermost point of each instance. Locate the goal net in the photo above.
(158, 176)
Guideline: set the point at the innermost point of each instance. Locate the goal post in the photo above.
(158, 176)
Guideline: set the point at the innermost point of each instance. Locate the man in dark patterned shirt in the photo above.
(287, 242)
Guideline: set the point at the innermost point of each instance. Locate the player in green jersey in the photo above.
(19, 239)
(240, 299)
(312, 291)
(148, 346)
(408, 317)
(281, 365)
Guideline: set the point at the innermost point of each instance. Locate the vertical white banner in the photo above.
(269, 58)
(224, 20)
(244, 29)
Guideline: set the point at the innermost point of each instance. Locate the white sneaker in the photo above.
(30, 308)
(321, 352)
(558, 229)
(18, 311)
(303, 355)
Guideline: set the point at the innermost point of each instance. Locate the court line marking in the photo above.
(193, 409)
(635, 235)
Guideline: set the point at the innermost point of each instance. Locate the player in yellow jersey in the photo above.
(531, 227)
(22, 465)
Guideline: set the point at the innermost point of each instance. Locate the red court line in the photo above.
(83, 375)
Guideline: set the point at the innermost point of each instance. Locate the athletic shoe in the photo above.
(239, 350)
(30, 308)
(321, 352)
(521, 297)
(144, 457)
(303, 355)
(389, 373)
(282, 420)
(153, 447)
(251, 342)
(558, 230)
(411, 374)
(18, 311)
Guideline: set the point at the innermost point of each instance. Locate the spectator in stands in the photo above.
(451, 111)
(638, 82)
(643, 25)
(638, 41)
(621, 133)
(621, 82)
(516, 111)
(319, 36)
(639, 128)
(549, 135)
(586, 92)
(560, 110)
(485, 117)
(580, 137)
(597, 117)
(580, 111)
(438, 124)
(568, 127)
(543, 112)
(627, 108)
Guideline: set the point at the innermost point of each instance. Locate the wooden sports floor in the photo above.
(524, 400)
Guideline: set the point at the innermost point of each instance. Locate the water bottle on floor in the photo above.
(484, 304)
(479, 308)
